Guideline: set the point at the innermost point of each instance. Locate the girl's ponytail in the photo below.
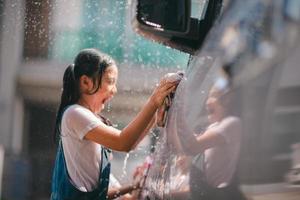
(69, 96)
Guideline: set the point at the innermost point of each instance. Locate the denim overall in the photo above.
(63, 189)
(201, 190)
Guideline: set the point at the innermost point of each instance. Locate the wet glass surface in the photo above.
(226, 126)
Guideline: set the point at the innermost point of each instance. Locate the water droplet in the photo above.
(108, 107)
(125, 165)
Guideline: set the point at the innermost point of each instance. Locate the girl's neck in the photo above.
(92, 107)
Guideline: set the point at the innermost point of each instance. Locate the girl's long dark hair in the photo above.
(89, 62)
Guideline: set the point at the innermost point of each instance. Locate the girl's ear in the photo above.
(86, 84)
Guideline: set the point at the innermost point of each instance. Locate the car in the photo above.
(249, 49)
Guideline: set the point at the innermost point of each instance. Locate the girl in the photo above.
(213, 171)
(82, 166)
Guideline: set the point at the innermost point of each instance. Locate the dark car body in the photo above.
(255, 43)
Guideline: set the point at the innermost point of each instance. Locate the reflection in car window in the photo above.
(249, 45)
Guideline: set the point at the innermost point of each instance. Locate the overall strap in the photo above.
(63, 189)
(199, 188)
(105, 166)
(104, 174)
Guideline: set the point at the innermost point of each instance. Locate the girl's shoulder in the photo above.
(78, 113)
(76, 109)
(231, 120)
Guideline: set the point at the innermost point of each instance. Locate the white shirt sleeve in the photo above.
(79, 121)
(229, 128)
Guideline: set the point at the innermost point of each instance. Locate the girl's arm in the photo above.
(126, 139)
(227, 131)
(198, 144)
(192, 144)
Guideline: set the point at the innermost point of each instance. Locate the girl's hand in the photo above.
(166, 85)
(161, 91)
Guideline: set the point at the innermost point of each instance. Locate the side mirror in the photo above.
(169, 22)
(164, 15)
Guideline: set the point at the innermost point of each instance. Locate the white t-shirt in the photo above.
(221, 161)
(83, 157)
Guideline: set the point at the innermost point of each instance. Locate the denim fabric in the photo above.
(201, 190)
(63, 189)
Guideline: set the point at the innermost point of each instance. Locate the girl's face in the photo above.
(108, 87)
(214, 107)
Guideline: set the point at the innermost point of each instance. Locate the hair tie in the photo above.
(72, 67)
(72, 71)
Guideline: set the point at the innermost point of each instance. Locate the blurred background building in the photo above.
(38, 40)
